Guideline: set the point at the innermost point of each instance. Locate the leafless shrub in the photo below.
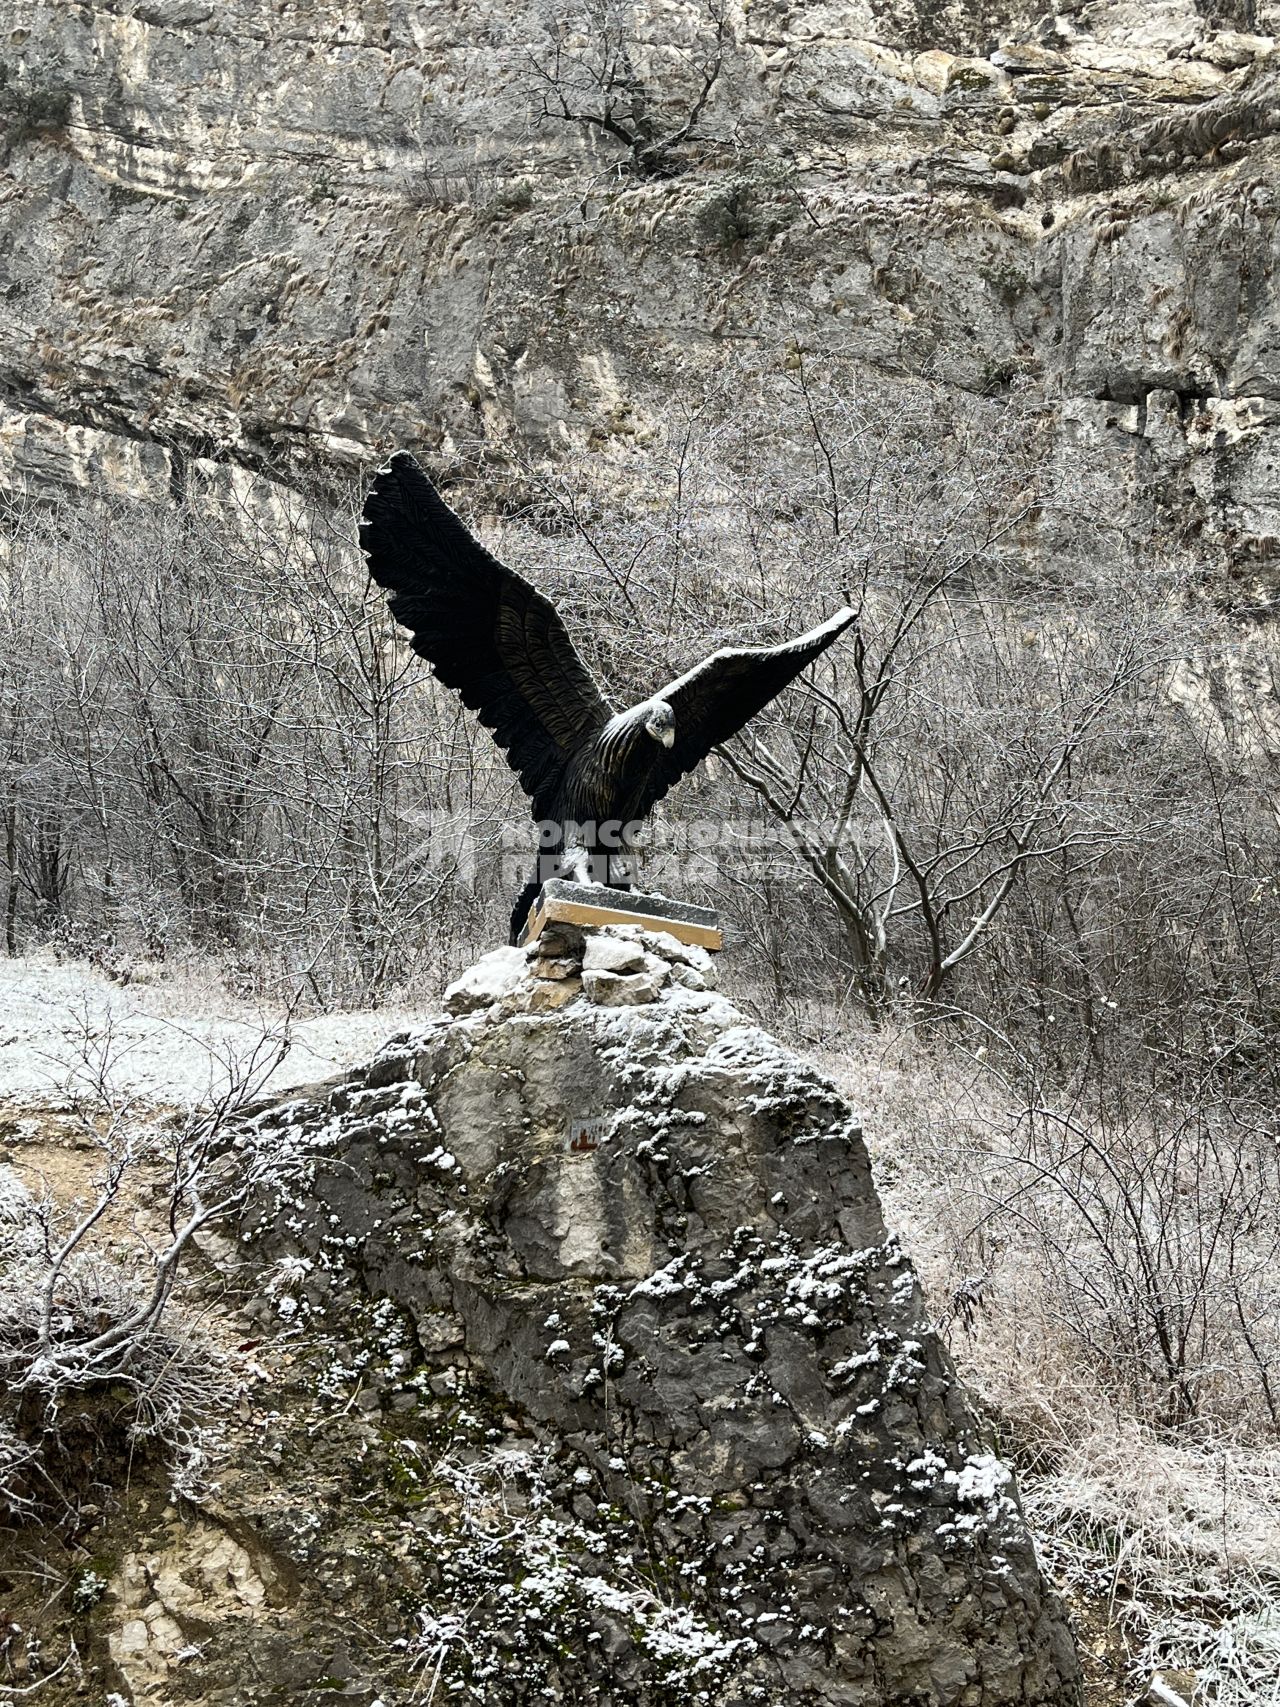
(36, 100)
(97, 1355)
(431, 185)
(1154, 1234)
(486, 187)
(1062, 1250)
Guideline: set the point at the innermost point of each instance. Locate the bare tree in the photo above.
(949, 745)
(650, 98)
(218, 742)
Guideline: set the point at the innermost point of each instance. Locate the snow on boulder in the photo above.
(618, 989)
(608, 953)
(493, 976)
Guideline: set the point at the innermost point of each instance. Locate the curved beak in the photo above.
(668, 737)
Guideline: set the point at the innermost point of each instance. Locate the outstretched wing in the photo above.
(486, 632)
(714, 700)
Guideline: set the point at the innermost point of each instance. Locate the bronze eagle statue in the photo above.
(591, 772)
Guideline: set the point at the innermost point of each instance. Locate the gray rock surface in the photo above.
(639, 1248)
(605, 952)
(246, 235)
(495, 975)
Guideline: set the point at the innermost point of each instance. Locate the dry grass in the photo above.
(1166, 1538)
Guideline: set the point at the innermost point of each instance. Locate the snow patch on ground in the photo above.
(177, 1039)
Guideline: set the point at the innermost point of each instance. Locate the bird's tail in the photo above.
(524, 902)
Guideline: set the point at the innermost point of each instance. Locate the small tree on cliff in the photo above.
(650, 97)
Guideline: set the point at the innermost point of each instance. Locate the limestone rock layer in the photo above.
(244, 236)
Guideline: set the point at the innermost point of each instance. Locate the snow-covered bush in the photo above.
(1105, 1276)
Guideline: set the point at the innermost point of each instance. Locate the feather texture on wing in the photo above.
(717, 697)
(486, 632)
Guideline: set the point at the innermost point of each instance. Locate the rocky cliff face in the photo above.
(264, 230)
(622, 1392)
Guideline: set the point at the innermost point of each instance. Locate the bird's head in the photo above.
(661, 723)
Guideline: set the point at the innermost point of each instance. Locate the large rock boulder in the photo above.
(709, 1448)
